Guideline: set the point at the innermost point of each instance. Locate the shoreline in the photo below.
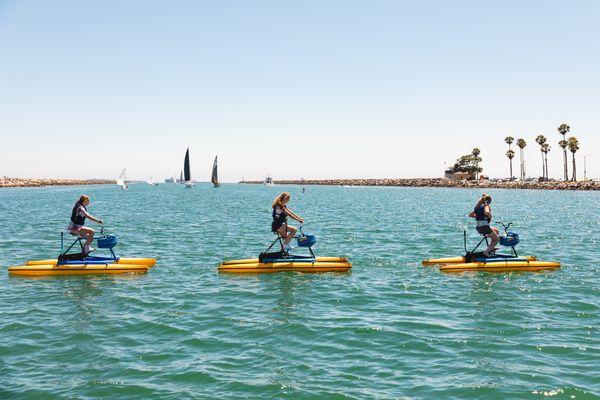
(6, 182)
(441, 182)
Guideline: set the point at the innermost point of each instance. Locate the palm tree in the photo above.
(475, 152)
(521, 144)
(510, 154)
(563, 129)
(509, 140)
(573, 145)
(541, 139)
(545, 150)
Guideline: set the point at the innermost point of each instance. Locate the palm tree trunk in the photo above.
(546, 161)
(521, 159)
(566, 170)
(543, 167)
(574, 170)
(510, 159)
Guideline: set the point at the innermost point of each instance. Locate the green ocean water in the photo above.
(388, 329)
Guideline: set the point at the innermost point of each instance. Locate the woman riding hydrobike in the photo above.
(483, 216)
(280, 214)
(78, 216)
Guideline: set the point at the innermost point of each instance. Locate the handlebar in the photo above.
(505, 226)
(102, 231)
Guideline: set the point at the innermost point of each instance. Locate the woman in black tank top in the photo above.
(280, 214)
(78, 216)
(483, 214)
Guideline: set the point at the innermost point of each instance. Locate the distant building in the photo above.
(458, 176)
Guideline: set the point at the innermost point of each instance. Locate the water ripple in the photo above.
(389, 329)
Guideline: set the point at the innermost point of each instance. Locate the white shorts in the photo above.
(74, 227)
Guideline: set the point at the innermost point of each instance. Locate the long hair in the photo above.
(278, 202)
(82, 199)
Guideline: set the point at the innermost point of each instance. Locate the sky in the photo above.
(311, 89)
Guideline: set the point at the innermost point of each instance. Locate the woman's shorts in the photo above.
(74, 227)
(484, 230)
(275, 226)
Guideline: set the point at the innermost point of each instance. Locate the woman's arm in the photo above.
(294, 216)
(472, 214)
(90, 216)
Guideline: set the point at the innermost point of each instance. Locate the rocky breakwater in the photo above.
(29, 182)
(442, 182)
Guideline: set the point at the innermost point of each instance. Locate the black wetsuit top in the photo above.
(480, 214)
(483, 221)
(75, 217)
(278, 218)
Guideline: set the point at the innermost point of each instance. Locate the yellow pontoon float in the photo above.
(82, 264)
(281, 261)
(477, 261)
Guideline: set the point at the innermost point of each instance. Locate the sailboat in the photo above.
(186, 170)
(151, 182)
(215, 179)
(121, 180)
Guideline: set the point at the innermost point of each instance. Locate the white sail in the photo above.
(122, 180)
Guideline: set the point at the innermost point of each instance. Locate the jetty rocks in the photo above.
(29, 182)
(444, 182)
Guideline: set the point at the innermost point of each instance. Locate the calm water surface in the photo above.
(389, 329)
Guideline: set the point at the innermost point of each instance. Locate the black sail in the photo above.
(186, 167)
(215, 179)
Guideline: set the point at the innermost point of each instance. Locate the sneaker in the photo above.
(89, 250)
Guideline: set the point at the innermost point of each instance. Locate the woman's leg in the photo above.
(282, 232)
(287, 234)
(291, 232)
(87, 233)
(493, 240)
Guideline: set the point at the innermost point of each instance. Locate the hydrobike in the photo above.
(477, 261)
(282, 260)
(71, 263)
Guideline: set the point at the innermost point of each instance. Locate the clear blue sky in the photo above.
(311, 89)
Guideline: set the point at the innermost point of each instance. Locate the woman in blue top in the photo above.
(78, 216)
(483, 217)
(280, 214)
